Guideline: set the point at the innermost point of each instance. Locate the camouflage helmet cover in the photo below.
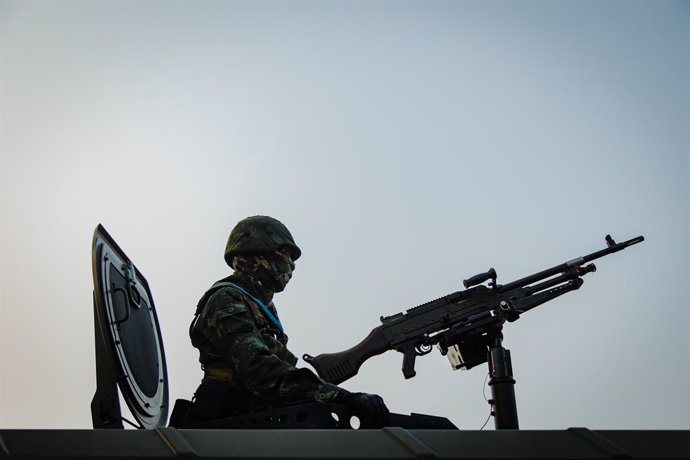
(260, 234)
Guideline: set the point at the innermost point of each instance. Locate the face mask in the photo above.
(271, 271)
(281, 268)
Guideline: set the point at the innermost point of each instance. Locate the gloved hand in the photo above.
(370, 409)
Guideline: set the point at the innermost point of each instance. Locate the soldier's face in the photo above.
(283, 266)
(285, 253)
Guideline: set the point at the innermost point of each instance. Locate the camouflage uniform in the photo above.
(241, 348)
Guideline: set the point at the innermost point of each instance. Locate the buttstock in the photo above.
(338, 367)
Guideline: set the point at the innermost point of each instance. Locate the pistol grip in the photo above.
(408, 364)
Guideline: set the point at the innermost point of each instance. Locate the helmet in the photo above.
(260, 234)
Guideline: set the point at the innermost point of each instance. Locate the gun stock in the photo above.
(338, 367)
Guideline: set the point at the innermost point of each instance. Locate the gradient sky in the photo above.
(406, 144)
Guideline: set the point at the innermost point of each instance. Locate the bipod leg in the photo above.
(502, 383)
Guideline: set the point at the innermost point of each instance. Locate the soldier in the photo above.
(242, 344)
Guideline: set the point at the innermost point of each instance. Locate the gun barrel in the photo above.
(570, 264)
(613, 248)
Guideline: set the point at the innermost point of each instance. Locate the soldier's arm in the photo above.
(231, 330)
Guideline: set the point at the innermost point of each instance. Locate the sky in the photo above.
(407, 145)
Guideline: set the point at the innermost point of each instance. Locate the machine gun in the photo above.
(466, 326)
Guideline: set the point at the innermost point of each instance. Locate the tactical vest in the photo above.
(265, 320)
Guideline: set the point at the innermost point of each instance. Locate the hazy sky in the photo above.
(407, 146)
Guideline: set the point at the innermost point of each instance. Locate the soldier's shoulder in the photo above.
(226, 298)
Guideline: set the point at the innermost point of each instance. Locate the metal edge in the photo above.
(410, 442)
(605, 445)
(176, 443)
(100, 233)
(3, 448)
